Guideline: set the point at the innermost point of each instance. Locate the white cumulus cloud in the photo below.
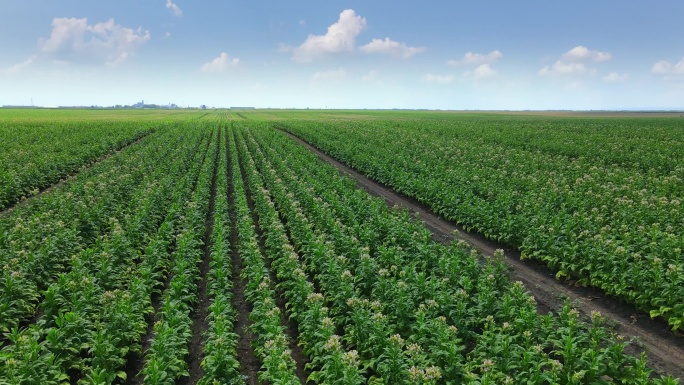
(615, 77)
(173, 8)
(665, 67)
(483, 71)
(391, 47)
(439, 79)
(74, 39)
(582, 53)
(575, 62)
(340, 37)
(475, 59)
(220, 64)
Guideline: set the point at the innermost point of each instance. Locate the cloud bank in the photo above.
(665, 67)
(439, 79)
(75, 40)
(476, 59)
(341, 38)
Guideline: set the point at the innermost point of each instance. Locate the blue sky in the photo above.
(345, 54)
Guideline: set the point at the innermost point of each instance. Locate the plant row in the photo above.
(166, 360)
(417, 311)
(608, 223)
(37, 154)
(39, 240)
(270, 343)
(92, 317)
(330, 362)
(220, 358)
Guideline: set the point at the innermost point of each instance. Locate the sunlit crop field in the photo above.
(209, 247)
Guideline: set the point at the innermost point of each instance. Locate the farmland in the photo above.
(201, 248)
(598, 200)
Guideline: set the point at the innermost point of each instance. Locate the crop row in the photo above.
(413, 311)
(39, 241)
(93, 314)
(37, 154)
(331, 363)
(607, 223)
(220, 362)
(373, 299)
(271, 343)
(166, 359)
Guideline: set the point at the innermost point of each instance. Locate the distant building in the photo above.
(242, 108)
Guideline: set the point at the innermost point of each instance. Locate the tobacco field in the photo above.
(210, 247)
(598, 200)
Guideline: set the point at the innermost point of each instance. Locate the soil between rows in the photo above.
(664, 349)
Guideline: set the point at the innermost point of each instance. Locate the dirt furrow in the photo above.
(249, 363)
(664, 349)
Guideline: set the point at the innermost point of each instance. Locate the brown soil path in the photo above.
(664, 349)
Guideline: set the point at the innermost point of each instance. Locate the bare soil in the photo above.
(664, 349)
